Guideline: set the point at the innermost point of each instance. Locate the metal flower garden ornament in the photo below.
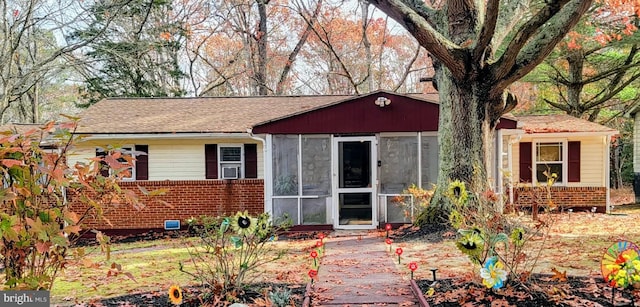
(399, 253)
(621, 265)
(493, 273)
(175, 295)
(243, 224)
(389, 242)
(413, 266)
(314, 255)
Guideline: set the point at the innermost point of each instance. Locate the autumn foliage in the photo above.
(37, 225)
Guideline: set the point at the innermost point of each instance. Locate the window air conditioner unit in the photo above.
(230, 172)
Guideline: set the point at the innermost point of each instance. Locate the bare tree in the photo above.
(33, 51)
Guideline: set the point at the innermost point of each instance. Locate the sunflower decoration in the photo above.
(458, 192)
(263, 228)
(243, 224)
(456, 219)
(471, 243)
(175, 295)
(517, 236)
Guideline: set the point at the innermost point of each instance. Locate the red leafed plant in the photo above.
(37, 223)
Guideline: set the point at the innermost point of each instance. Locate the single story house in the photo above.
(330, 161)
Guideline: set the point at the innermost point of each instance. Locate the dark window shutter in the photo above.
(211, 161)
(574, 162)
(250, 161)
(526, 162)
(142, 163)
(104, 167)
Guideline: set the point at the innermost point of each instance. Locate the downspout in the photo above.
(264, 168)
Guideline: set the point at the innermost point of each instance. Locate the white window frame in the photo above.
(221, 163)
(564, 162)
(126, 149)
(129, 149)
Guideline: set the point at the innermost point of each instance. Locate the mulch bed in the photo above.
(194, 296)
(539, 290)
(433, 233)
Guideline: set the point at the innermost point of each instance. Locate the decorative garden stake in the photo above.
(320, 246)
(593, 211)
(433, 273)
(313, 274)
(314, 255)
(399, 252)
(620, 267)
(175, 295)
(389, 241)
(387, 228)
(413, 266)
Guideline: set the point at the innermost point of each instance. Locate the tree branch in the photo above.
(536, 40)
(418, 20)
(488, 28)
(297, 48)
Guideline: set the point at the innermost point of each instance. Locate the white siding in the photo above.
(81, 154)
(592, 168)
(176, 161)
(592, 160)
(169, 159)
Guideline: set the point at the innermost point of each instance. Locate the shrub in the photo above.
(232, 248)
(36, 223)
(414, 202)
(497, 243)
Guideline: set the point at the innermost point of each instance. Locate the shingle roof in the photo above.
(237, 114)
(199, 115)
(20, 127)
(559, 123)
(179, 115)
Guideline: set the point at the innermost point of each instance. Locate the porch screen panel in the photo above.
(316, 165)
(285, 165)
(399, 209)
(399, 157)
(314, 211)
(430, 153)
(285, 209)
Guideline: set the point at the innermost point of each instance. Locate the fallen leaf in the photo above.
(559, 276)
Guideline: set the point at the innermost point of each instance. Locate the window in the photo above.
(550, 159)
(136, 156)
(231, 161)
(560, 157)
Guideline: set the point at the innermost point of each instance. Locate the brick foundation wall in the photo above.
(566, 197)
(188, 198)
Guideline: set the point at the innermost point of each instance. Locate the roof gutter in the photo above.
(570, 134)
(108, 136)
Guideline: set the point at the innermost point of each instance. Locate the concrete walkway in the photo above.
(358, 270)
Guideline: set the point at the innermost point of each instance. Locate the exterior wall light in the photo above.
(383, 101)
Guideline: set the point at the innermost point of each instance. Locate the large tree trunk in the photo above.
(471, 78)
(465, 136)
